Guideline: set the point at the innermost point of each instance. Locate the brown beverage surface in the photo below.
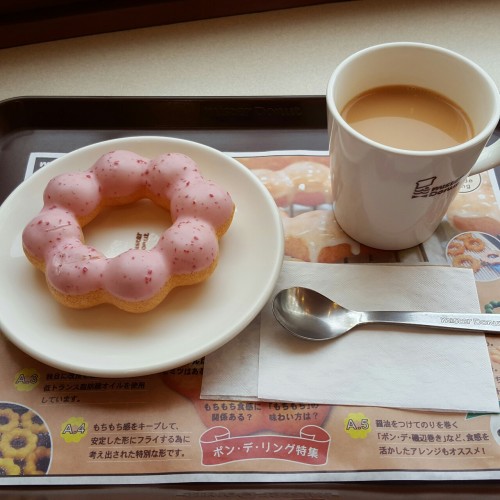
(407, 117)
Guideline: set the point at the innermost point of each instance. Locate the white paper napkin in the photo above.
(390, 366)
(232, 372)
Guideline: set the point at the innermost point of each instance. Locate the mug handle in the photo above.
(489, 158)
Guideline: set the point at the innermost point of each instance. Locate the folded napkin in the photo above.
(374, 365)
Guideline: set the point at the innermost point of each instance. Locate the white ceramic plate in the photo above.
(191, 322)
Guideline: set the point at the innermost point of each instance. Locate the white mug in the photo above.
(390, 198)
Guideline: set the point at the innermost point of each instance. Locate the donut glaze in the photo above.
(304, 183)
(137, 280)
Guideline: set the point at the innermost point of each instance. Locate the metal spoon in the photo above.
(310, 315)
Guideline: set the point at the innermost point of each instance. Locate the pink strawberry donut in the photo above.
(137, 280)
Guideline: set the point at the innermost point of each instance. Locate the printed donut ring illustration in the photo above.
(25, 442)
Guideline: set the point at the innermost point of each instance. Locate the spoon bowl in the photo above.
(310, 315)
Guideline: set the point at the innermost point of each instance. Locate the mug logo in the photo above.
(424, 188)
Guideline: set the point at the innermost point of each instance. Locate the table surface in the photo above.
(286, 52)
(283, 52)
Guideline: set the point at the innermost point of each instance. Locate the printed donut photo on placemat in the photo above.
(477, 251)
(301, 188)
(295, 182)
(25, 442)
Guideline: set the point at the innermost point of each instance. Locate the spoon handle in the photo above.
(456, 321)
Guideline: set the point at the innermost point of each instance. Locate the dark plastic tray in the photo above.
(63, 124)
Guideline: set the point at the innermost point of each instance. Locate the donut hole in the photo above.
(4, 420)
(42, 462)
(18, 442)
(118, 229)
